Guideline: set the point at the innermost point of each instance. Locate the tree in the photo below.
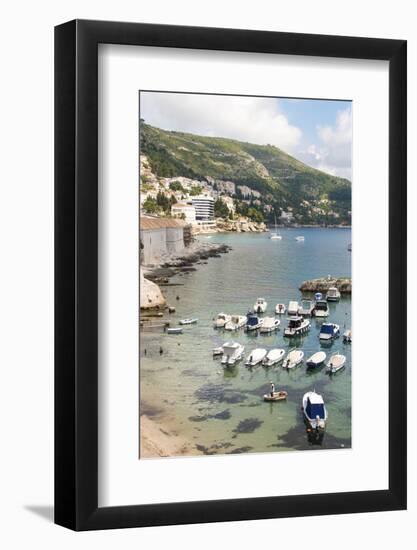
(196, 190)
(220, 209)
(255, 215)
(176, 186)
(150, 205)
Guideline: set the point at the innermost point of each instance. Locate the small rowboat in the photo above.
(188, 321)
(277, 396)
(175, 330)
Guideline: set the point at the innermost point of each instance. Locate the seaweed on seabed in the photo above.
(247, 426)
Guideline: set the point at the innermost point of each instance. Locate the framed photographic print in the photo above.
(230, 275)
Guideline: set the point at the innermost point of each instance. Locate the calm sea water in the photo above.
(221, 410)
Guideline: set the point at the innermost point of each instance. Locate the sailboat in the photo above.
(276, 235)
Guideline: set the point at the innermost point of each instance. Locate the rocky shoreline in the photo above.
(343, 284)
(151, 296)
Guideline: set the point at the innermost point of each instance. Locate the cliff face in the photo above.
(150, 294)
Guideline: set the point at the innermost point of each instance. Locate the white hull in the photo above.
(269, 325)
(235, 323)
(299, 331)
(232, 354)
(221, 320)
(260, 306)
(294, 358)
(273, 357)
(321, 313)
(316, 359)
(256, 357)
(336, 362)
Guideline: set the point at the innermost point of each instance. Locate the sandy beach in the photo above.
(156, 441)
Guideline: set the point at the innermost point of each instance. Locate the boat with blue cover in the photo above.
(329, 331)
(314, 410)
(253, 322)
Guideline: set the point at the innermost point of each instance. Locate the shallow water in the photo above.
(221, 410)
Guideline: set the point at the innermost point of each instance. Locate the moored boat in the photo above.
(269, 325)
(316, 359)
(294, 358)
(253, 322)
(280, 309)
(329, 331)
(297, 326)
(347, 337)
(260, 305)
(321, 309)
(336, 363)
(292, 308)
(314, 410)
(232, 352)
(333, 294)
(174, 330)
(300, 238)
(188, 321)
(273, 357)
(276, 396)
(275, 236)
(306, 308)
(236, 322)
(255, 357)
(221, 320)
(218, 351)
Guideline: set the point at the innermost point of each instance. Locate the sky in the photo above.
(317, 132)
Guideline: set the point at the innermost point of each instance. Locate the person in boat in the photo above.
(272, 389)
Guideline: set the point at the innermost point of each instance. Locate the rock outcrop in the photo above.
(151, 296)
(343, 284)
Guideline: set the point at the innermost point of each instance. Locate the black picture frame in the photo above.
(76, 272)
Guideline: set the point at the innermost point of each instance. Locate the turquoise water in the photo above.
(221, 410)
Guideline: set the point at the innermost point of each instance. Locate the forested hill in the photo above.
(282, 180)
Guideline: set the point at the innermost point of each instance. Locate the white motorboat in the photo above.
(336, 363)
(236, 322)
(276, 235)
(294, 358)
(269, 325)
(232, 353)
(329, 331)
(300, 238)
(316, 359)
(188, 321)
(273, 356)
(347, 337)
(174, 330)
(280, 309)
(260, 305)
(314, 410)
(292, 308)
(321, 309)
(218, 351)
(255, 357)
(306, 308)
(253, 322)
(221, 320)
(333, 294)
(297, 326)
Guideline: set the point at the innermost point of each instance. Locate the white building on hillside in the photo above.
(185, 211)
(204, 208)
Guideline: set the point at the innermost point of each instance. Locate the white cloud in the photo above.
(256, 120)
(333, 153)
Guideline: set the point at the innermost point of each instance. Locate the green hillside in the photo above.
(282, 180)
